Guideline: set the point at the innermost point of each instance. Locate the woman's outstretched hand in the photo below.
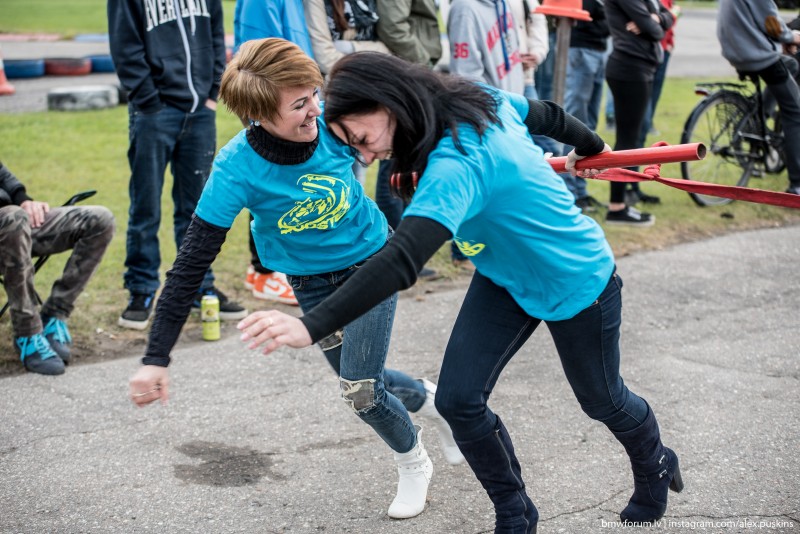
(150, 383)
(273, 329)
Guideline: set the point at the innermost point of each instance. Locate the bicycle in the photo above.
(743, 139)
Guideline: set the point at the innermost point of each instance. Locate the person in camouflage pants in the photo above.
(31, 228)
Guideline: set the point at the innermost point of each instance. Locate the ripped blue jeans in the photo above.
(381, 397)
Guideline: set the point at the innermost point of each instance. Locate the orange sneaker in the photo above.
(273, 286)
(250, 277)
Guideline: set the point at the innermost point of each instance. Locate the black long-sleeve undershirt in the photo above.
(550, 119)
(201, 245)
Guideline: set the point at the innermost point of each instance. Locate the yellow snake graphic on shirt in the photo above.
(467, 248)
(326, 204)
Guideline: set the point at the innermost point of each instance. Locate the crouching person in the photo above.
(31, 228)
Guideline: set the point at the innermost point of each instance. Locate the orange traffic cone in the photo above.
(5, 87)
(572, 9)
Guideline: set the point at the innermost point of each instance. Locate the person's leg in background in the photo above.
(16, 266)
(153, 137)
(543, 77)
(266, 284)
(631, 99)
(393, 207)
(584, 90)
(86, 231)
(635, 194)
(782, 86)
(658, 86)
(191, 165)
(611, 122)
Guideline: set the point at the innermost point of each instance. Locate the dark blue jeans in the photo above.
(391, 205)
(584, 91)
(658, 85)
(492, 327)
(381, 397)
(782, 88)
(186, 142)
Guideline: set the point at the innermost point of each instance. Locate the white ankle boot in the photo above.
(415, 469)
(446, 441)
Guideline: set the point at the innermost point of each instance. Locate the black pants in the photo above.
(254, 259)
(631, 99)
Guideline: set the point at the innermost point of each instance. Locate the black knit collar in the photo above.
(280, 151)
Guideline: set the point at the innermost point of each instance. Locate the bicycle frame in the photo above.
(732, 121)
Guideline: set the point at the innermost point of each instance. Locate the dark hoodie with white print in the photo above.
(484, 44)
(167, 52)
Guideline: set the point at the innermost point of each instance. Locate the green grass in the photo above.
(57, 154)
(67, 18)
(678, 218)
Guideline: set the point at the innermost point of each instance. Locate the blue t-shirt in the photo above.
(512, 215)
(308, 219)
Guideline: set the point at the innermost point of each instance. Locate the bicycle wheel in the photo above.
(717, 122)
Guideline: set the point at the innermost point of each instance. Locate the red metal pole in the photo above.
(635, 157)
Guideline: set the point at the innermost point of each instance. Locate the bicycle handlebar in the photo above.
(635, 157)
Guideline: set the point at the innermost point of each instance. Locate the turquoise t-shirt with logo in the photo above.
(309, 218)
(514, 217)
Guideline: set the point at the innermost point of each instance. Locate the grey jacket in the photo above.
(751, 33)
(410, 29)
(484, 46)
(11, 190)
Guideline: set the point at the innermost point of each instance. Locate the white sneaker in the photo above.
(273, 286)
(449, 448)
(415, 470)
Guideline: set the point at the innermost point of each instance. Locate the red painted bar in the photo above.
(637, 156)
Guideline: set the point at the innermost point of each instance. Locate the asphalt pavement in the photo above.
(260, 444)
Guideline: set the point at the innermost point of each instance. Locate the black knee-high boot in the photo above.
(493, 461)
(655, 471)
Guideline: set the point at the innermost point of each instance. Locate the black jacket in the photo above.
(162, 58)
(636, 57)
(11, 190)
(593, 33)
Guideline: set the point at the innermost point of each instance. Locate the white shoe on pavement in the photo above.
(449, 448)
(273, 286)
(415, 469)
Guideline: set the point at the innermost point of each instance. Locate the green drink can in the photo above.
(209, 313)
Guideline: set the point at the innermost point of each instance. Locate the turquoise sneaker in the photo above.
(37, 356)
(57, 334)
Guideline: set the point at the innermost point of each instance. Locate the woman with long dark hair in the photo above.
(464, 152)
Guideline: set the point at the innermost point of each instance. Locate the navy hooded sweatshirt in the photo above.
(167, 52)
